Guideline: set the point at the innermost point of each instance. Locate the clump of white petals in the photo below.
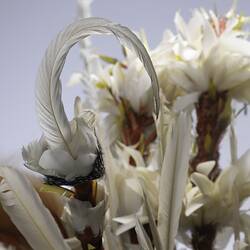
(110, 85)
(219, 202)
(207, 50)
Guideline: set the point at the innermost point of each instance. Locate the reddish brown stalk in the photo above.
(203, 237)
(212, 121)
(213, 116)
(88, 239)
(86, 192)
(137, 126)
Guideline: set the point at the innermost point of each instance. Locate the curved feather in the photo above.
(52, 117)
(26, 210)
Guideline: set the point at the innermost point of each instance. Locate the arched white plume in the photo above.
(53, 119)
(26, 210)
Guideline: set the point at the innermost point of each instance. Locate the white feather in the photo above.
(173, 179)
(144, 241)
(152, 223)
(26, 210)
(162, 124)
(52, 117)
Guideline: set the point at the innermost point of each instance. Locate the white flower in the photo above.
(81, 214)
(208, 50)
(160, 56)
(130, 183)
(126, 180)
(121, 94)
(130, 178)
(219, 202)
(123, 90)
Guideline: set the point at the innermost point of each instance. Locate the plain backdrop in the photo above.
(27, 27)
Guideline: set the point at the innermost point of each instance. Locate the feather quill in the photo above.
(50, 109)
(26, 210)
(173, 178)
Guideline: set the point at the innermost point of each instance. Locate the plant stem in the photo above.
(137, 125)
(203, 237)
(213, 116)
(213, 112)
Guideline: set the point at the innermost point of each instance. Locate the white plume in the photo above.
(173, 178)
(52, 117)
(26, 210)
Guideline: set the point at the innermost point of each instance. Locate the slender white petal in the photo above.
(202, 181)
(205, 167)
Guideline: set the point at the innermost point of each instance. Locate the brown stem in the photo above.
(203, 237)
(212, 121)
(213, 116)
(137, 125)
(88, 239)
(87, 192)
